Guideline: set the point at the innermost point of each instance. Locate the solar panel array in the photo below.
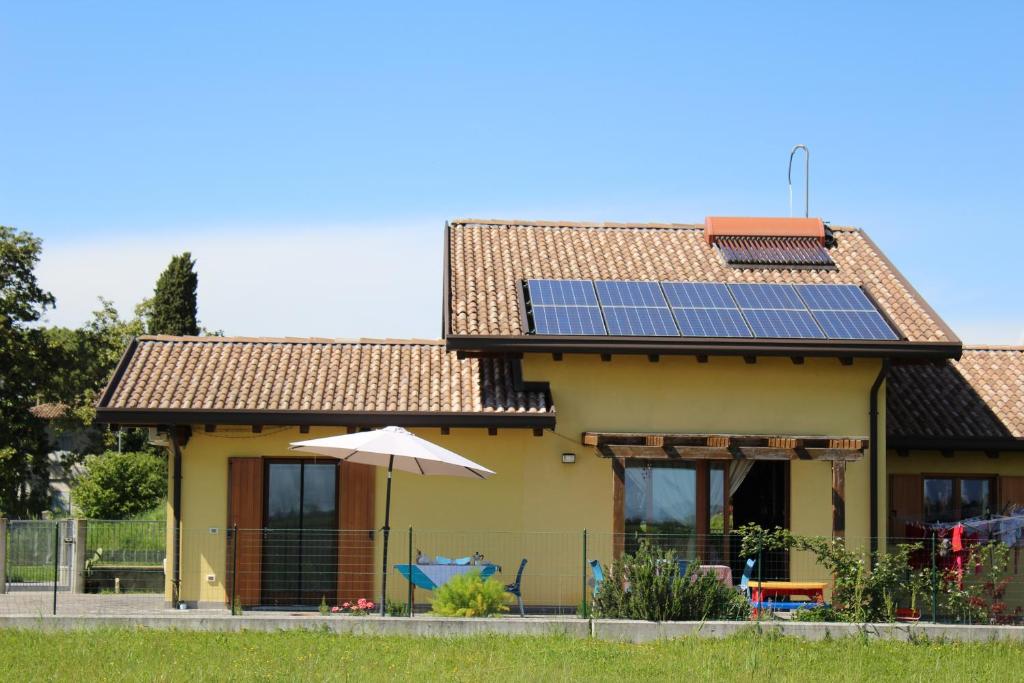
(703, 309)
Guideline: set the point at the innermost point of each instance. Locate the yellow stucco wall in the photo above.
(542, 505)
(963, 462)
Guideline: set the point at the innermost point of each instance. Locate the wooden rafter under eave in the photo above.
(726, 446)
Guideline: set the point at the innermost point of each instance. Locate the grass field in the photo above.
(115, 655)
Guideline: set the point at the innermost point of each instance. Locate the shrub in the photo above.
(656, 591)
(120, 485)
(468, 595)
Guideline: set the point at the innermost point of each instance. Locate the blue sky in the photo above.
(308, 154)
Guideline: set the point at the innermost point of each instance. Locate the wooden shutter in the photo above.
(906, 502)
(1011, 490)
(356, 524)
(245, 510)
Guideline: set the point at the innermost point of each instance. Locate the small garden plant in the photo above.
(647, 585)
(469, 595)
(359, 608)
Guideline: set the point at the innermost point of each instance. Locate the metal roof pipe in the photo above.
(807, 179)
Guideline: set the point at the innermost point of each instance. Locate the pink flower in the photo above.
(345, 605)
(369, 605)
(361, 602)
(335, 609)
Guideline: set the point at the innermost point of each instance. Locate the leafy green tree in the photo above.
(173, 307)
(23, 453)
(120, 485)
(81, 362)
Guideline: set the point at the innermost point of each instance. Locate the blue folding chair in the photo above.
(683, 564)
(748, 573)
(516, 588)
(595, 566)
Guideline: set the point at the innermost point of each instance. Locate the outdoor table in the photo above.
(723, 572)
(759, 590)
(433, 576)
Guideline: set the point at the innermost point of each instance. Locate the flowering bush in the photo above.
(469, 595)
(360, 607)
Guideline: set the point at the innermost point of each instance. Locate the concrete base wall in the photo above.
(623, 631)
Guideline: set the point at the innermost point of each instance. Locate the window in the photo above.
(950, 499)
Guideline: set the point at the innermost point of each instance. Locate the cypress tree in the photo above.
(174, 301)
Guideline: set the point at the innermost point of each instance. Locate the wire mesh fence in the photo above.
(556, 572)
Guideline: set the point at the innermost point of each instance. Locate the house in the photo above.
(626, 379)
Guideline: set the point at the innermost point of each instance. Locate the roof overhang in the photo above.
(704, 346)
(313, 418)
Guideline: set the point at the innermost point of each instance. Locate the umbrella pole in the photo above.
(387, 532)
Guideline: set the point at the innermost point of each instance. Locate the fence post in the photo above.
(935, 584)
(583, 585)
(56, 563)
(410, 593)
(81, 533)
(234, 569)
(3, 555)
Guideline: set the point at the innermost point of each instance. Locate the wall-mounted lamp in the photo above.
(568, 458)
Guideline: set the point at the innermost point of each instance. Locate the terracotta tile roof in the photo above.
(337, 376)
(49, 411)
(979, 397)
(489, 258)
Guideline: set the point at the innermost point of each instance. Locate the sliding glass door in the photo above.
(678, 504)
(300, 547)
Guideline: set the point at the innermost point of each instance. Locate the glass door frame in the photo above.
(267, 463)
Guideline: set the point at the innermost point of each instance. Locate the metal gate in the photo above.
(40, 555)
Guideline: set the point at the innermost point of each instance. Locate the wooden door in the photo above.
(906, 502)
(1011, 492)
(356, 567)
(245, 511)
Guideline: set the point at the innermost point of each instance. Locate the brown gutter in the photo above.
(873, 455)
(176, 512)
(115, 379)
(703, 346)
(314, 418)
(959, 443)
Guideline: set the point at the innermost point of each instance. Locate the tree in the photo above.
(24, 468)
(81, 361)
(173, 307)
(120, 485)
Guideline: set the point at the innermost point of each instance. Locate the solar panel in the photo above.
(845, 312)
(568, 320)
(705, 309)
(643, 321)
(635, 309)
(711, 322)
(835, 298)
(781, 324)
(562, 292)
(775, 311)
(772, 297)
(565, 307)
(854, 325)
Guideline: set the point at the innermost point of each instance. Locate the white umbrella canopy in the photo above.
(411, 453)
(394, 448)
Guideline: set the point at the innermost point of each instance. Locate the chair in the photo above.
(595, 566)
(683, 564)
(748, 573)
(516, 588)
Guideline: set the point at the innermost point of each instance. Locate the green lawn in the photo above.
(180, 656)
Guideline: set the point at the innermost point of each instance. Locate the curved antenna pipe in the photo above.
(807, 179)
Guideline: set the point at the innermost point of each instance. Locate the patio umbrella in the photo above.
(396, 449)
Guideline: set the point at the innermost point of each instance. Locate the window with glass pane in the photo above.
(950, 499)
(661, 502)
(939, 505)
(975, 497)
